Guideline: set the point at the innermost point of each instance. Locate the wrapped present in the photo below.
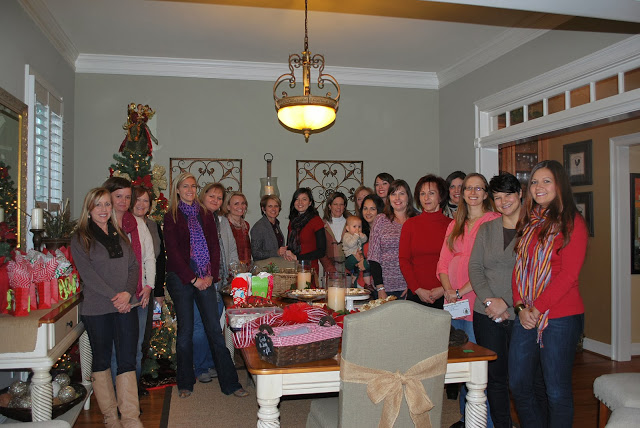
(64, 267)
(55, 291)
(20, 276)
(4, 286)
(262, 285)
(239, 290)
(19, 302)
(42, 283)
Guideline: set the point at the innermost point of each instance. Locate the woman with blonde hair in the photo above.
(235, 208)
(108, 268)
(193, 266)
(359, 194)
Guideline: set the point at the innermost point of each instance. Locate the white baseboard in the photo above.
(597, 347)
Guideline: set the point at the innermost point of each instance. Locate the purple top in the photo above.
(384, 246)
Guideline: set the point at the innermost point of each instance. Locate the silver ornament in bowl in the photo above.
(67, 394)
(19, 388)
(63, 379)
(22, 402)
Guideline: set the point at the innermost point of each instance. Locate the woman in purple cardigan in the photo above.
(193, 266)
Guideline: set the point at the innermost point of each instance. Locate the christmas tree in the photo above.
(8, 195)
(134, 159)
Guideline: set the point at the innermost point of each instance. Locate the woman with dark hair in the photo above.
(490, 270)
(454, 184)
(235, 208)
(267, 239)
(475, 208)
(335, 220)
(381, 185)
(109, 269)
(550, 251)
(141, 207)
(306, 239)
(421, 240)
(142, 244)
(193, 266)
(385, 241)
(372, 205)
(359, 194)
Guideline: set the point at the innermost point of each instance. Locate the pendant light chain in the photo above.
(306, 36)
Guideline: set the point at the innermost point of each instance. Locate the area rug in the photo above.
(208, 407)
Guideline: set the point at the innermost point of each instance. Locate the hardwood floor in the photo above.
(586, 368)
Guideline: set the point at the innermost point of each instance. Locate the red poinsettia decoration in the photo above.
(111, 171)
(6, 232)
(163, 203)
(143, 181)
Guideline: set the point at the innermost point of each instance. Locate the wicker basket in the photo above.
(319, 343)
(282, 281)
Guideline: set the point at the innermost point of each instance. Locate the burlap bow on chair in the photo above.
(387, 386)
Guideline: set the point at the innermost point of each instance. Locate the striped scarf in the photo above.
(533, 268)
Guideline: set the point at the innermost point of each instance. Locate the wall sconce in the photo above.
(269, 184)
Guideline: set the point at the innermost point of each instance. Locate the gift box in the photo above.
(239, 290)
(262, 285)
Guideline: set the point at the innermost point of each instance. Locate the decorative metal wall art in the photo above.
(209, 170)
(324, 177)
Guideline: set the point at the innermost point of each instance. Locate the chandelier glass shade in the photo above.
(306, 113)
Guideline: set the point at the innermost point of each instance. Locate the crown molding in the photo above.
(41, 15)
(506, 42)
(244, 70)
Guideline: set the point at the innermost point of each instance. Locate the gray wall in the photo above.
(545, 53)
(23, 43)
(390, 129)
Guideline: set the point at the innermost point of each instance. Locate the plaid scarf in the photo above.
(199, 250)
(130, 226)
(533, 268)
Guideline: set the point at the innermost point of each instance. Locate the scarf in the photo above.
(110, 241)
(297, 224)
(199, 250)
(533, 268)
(130, 227)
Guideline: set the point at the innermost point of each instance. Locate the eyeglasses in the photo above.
(477, 189)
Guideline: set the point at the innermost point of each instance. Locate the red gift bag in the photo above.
(4, 287)
(44, 294)
(55, 293)
(20, 304)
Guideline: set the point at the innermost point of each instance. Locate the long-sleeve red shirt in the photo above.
(420, 243)
(562, 295)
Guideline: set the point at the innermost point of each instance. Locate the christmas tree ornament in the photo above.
(18, 388)
(67, 394)
(63, 379)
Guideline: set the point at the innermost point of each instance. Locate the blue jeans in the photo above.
(496, 337)
(184, 295)
(467, 327)
(202, 358)
(555, 360)
(141, 314)
(112, 331)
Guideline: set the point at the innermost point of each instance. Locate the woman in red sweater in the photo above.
(421, 240)
(306, 239)
(552, 242)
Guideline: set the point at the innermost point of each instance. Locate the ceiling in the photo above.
(433, 42)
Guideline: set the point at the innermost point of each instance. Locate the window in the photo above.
(48, 141)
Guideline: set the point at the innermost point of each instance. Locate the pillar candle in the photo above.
(336, 297)
(303, 278)
(37, 218)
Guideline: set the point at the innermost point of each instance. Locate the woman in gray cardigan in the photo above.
(490, 270)
(267, 239)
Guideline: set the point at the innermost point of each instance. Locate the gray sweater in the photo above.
(491, 266)
(102, 278)
(264, 243)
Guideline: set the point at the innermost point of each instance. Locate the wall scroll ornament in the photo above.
(324, 177)
(209, 170)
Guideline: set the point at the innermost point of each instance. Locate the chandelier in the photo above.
(306, 114)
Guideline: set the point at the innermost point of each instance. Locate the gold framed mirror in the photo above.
(13, 164)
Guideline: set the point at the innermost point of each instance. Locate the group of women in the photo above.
(513, 256)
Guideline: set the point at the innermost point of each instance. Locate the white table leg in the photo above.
(86, 363)
(475, 414)
(41, 394)
(268, 393)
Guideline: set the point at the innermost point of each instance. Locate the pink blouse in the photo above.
(456, 263)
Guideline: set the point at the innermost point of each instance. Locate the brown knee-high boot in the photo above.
(106, 397)
(127, 388)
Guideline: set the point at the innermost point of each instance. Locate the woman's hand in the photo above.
(282, 251)
(121, 302)
(528, 319)
(203, 283)
(495, 307)
(424, 295)
(450, 296)
(144, 296)
(404, 293)
(382, 294)
(289, 256)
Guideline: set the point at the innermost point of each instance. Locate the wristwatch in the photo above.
(518, 308)
(458, 293)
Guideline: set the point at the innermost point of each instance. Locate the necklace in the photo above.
(238, 224)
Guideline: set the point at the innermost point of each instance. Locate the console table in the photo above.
(56, 330)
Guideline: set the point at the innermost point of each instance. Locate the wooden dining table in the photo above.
(467, 363)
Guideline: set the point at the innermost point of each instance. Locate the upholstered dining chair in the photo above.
(397, 347)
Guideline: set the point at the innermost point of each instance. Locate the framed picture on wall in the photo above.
(584, 202)
(577, 162)
(635, 223)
